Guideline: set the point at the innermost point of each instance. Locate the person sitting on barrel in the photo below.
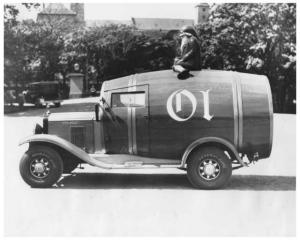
(190, 53)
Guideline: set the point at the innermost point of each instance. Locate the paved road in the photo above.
(259, 201)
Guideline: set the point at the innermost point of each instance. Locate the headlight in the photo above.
(45, 124)
(38, 129)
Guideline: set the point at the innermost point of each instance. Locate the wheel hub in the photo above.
(40, 168)
(209, 169)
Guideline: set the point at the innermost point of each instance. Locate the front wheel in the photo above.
(209, 168)
(41, 167)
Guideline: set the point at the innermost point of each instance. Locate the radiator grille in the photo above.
(78, 136)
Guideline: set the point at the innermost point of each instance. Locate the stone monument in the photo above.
(76, 82)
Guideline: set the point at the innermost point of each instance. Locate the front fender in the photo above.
(212, 140)
(66, 145)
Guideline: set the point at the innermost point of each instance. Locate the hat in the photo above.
(185, 34)
(190, 30)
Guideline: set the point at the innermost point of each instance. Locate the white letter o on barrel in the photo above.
(178, 93)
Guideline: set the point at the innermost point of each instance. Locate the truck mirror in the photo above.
(102, 100)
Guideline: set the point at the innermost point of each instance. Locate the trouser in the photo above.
(183, 73)
(182, 69)
(186, 64)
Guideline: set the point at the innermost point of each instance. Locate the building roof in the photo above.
(99, 23)
(160, 23)
(202, 5)
(57, 8)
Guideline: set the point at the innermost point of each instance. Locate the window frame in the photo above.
(129, 93)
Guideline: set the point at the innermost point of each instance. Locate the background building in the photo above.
(57, 12)
(202, 13)
(160, 23)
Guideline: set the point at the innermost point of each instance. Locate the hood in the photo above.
(72, 116)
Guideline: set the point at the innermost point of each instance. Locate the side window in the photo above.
(128, 99)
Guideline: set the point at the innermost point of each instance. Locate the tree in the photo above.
(255, 38)
(31, 49)
(117, 50)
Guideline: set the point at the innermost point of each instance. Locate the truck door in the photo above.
(129, 133)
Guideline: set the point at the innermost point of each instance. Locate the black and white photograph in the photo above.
(149, 119)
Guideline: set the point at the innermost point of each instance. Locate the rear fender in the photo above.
(211, 140)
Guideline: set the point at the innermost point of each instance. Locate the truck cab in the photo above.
(205, 125)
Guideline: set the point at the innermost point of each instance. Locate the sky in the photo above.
(124, 11)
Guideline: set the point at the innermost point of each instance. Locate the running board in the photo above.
(126, 161)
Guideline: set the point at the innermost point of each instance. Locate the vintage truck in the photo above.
(206, 125)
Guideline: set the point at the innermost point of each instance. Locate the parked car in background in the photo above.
(11, 96)
(43, 93)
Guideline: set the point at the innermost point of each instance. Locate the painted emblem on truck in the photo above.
(178, 104)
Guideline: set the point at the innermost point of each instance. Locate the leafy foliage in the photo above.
(118, 50)
(254, 38)
(31, 53)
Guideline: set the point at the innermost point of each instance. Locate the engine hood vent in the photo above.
(78, 136)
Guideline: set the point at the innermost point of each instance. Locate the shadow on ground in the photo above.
(171, 181)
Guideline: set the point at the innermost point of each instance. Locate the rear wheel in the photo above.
(41, 167)
(209, 168)
(38, 103)
(57, 104)
(21, 103)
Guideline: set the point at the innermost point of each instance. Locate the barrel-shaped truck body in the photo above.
(166, 115)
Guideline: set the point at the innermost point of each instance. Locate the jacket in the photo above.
(190, 54)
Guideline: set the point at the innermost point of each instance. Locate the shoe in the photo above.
(183, 75)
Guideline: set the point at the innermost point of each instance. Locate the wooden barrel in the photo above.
(233, 106)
